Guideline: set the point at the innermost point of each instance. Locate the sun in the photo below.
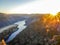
(53, 13)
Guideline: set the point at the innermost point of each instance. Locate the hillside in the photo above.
(40, 32)
(8, 19)
(2, 16)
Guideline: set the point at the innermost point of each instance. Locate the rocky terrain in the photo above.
(41, 32)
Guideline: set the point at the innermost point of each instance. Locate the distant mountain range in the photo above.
(8, 19)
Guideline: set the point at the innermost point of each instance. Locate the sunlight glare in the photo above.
(46, 6)
(53, 13)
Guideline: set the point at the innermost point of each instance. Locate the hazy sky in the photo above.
(30, 6)
(5, 5)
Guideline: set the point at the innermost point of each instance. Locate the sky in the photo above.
(6, 5)
(30, 6)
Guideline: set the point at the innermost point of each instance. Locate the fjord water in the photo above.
(21, 26)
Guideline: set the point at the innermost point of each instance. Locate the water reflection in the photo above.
(21, 26)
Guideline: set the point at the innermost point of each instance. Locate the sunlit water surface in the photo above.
(21, 26)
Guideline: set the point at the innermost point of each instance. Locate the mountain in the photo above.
(2, 16)
(38, 33)
(8, 19)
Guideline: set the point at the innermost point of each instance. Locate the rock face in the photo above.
(36, 33)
